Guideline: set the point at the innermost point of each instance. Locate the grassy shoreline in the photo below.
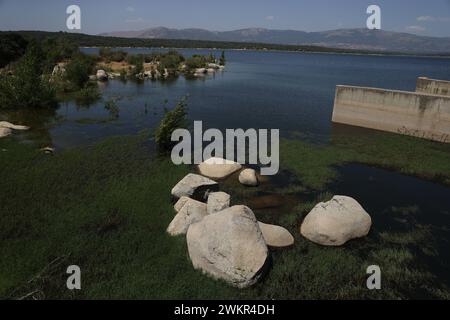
(106, 209)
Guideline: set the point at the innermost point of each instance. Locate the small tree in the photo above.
(222, 59)
(173, 119)
(79, 69)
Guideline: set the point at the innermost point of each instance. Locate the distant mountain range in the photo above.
(359, 39)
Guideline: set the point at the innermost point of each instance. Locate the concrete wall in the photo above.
(433, 86)
(416, 114)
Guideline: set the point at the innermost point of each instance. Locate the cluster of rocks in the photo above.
(6, 128)
(210, 69)
(224, 241)
(229, 243)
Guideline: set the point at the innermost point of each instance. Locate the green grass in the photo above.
(106, 208)
(314, 165)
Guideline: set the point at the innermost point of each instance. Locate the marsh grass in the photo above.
(106, 208)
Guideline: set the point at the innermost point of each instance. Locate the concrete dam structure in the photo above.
(416, 114)
(432, 86)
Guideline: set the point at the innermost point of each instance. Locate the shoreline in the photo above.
(283, 51)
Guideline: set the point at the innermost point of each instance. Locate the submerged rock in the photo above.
(276, 236)
(335, 222)
(191, 212)
(218, 168)
(218, 201)
(248, 178)
(195, 186)
(229, 245)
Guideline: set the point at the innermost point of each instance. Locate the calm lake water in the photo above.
(289, 91)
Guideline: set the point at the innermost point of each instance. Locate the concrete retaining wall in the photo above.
(411, 113)
(432, 86)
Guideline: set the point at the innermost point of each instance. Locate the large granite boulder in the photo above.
(248, 178)
(218, 168)
(229, 245)
(276, 236)
(335, 222)
(192, 211)
(218, 201)
(195, 186)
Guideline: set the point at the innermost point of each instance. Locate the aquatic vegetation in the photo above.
(173, 119)
(315, 164)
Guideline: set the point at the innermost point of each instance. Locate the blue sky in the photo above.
(421, 17)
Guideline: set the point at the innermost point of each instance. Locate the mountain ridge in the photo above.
(356, 38)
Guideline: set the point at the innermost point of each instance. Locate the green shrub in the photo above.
(27, 87)
(79, 69)
(113, 109)
(87, 95)
(108, 55)
(138, 62)
(173, 119)
(196, 61)
(222, 59)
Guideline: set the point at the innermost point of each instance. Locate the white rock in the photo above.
(4, 132)
(200, 70)
(335, 222)
(218, 201)
(248, 178)
(59, 69)
(218, 168)
(101, 75)
(195, 186)
(180, 203)
(192, 211)
(276, 236)
(8, 125)
(210, 70)
(229, 245)
(213, 66)
(48, 150)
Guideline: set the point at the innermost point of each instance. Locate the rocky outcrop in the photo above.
(191, 212)
(218, 201)
(195, 186)
(335, 222)
(218, 168)
(229, 245)
(248, 178)
(276, 236)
